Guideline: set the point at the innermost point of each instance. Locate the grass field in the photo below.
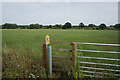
(29, 43)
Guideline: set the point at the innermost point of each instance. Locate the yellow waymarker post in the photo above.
(47, 39)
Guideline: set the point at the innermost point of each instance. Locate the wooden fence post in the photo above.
(45, 57)
(74, 55)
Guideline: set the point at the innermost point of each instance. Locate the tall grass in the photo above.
(28, 43)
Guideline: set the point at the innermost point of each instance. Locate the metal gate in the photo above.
(95, 63)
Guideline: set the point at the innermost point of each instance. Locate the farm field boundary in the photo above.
(85, 66)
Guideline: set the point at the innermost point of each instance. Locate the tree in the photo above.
(102, 26)
(59, 26)
(50, 26)
(91, 25)
(117, 26)
(9, 26)
(111, 26)
(35, 26)
(97, 28)
(81, 25)
(31, 26)
(67, 25)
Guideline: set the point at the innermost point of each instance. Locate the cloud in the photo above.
(52, 13)
(60, 0)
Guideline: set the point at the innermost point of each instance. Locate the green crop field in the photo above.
(28, 42)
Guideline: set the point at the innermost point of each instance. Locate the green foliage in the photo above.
(102, 26)
(17, 64)
(81, 25)
(9, 26)
(59, 26)
(117, 26)
(67, 25)
(0, 26)
(35, 26)
(91, 25)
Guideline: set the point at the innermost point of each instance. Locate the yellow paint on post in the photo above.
(47, 40)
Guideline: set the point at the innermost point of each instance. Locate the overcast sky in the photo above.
(60, 0)
(60, 12)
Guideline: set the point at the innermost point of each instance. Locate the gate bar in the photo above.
(99, 64)
(98, 58)
(93, 76)
(99, 68)
(99, 44)
(101, 73)
(98, 51)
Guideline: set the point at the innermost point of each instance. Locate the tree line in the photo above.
(67, 25)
